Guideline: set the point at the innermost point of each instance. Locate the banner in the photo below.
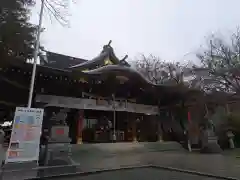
(25, 137)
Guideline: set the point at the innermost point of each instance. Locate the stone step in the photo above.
(108, 149)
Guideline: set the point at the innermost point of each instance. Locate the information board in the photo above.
(25, 137)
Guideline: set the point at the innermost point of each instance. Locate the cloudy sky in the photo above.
(170, 29)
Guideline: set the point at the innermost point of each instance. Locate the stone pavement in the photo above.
(212, 164)
(118, 156)
(216, 164)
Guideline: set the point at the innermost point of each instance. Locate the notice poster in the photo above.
(25, 137)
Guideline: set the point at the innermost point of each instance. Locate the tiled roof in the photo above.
(59, 61)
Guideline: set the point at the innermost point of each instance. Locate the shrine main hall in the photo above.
(101, 100)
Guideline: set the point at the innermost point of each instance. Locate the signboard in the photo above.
(25, 137)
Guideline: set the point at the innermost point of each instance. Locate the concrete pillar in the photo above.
(80, 126)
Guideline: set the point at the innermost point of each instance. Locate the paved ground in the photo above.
(213, 164)
(234, 152)
(216, 164)
(141, 174)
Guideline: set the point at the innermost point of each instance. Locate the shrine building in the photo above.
(96, 98)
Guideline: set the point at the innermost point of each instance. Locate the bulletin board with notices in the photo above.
(25, 137)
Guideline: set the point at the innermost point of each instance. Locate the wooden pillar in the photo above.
(134, 130)
(189, 116)
(159, 130)
(227, 108)
(159, 124)
(182, 108)
(80, 120)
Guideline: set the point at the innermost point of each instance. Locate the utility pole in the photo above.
(36, 51)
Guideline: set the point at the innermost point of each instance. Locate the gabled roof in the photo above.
(106, 53)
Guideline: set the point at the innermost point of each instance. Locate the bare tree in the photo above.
(150, 67)
(58, 9)
(221, 63)
(162, 72)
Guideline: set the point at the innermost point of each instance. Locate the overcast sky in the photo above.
(169, 29)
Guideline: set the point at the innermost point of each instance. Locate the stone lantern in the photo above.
(230, 137)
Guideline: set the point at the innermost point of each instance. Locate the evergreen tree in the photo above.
(17, 35)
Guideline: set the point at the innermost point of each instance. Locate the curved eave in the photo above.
(133, 76)
(119, 71)
(137, 77)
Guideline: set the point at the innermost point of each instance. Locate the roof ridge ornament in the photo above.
(124, 62)
(107, 48)
(124, 58)
(109, 43)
